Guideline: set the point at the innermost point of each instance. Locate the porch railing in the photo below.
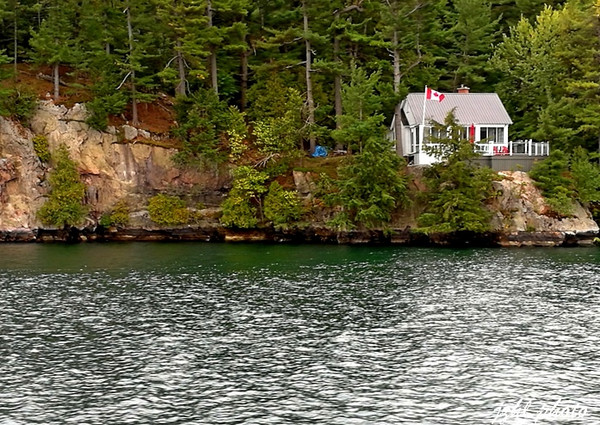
(518, 147)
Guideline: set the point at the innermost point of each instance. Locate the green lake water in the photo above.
(196, 333)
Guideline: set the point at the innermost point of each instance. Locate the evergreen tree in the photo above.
(225, 32)
(362, 118)
(139, 76)
(473, 34)
(550, 77)
(551, 176)
(371, 186)
(457, 188)
(586, 176)
(103, 33)
(64, 206)
(55, 43)
(182, 22)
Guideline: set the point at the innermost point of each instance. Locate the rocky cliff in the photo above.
(522, 217)
(119, 164)
(125, 163)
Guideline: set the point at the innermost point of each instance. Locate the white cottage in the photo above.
(482, 115)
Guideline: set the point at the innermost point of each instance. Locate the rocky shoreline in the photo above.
(122, 165)
(311, 234)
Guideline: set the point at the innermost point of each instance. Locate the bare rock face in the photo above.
(520, 208)
(22, 186)
(304, 182)
(112, 168)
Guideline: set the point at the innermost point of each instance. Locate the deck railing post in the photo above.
(529, 146)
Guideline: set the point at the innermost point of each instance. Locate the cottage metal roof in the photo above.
(471, 108)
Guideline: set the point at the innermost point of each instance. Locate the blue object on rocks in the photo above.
(320, 152)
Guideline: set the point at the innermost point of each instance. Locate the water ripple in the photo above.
(238, 335)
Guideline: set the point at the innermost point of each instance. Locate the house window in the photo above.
(414, 139)
(492, 134)
(433, 135)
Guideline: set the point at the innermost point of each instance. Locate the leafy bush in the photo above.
(41, 148)
(341, 221)
(552, 177)
(240, 208)
(282, 206)
(168, 210)
(277, 117)
(118, 216)
(586, 176)
(18, 104)
(238, 212)
(104, 105)
(237, 133)
(64, 206)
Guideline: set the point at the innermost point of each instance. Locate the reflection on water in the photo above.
(268, 334)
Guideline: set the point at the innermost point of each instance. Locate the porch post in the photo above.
(530, 146)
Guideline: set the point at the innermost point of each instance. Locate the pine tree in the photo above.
(457, 188)
(473, 34)
(550, 77)
(183, 22)
(362, 118)
(55, 43)
(226, 31)
(140, 39)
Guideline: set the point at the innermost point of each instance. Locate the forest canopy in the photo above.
(263, 56)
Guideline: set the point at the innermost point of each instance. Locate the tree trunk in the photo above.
(337, 83)
(244, 83)
(134, 109)
(397, 75)
(181, 87)
(15, 43)
(397, 112)
(213, 54)
(310, 103)
(56, 80)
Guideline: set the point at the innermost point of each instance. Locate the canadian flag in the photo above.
(434, 95)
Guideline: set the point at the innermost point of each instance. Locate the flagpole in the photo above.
(422, 138)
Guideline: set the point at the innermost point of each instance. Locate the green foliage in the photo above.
(105, 103)
(18, 104)
(277, 123)
(40, 146)
(361, 120)
(64, 206)
(168, 210)
(341, 221)
(204, 123)
(372, 185)
(117, 216)
(282, 206)
(563, 178)
(550, 76)
(586, 176)
(551, 176)
(457, 188)
(240, 208)
(237, 133)
(472, 34)
(238, 212)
